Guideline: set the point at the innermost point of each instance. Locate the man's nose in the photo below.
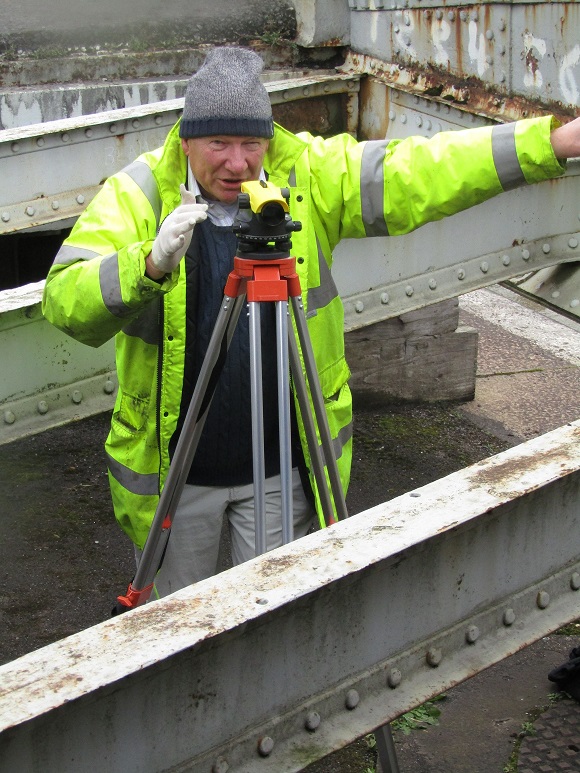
(236, 159)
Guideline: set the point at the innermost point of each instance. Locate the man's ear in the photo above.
(185, 146)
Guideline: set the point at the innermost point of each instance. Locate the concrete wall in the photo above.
(30, 25)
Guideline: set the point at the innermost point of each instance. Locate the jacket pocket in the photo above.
(131, 414)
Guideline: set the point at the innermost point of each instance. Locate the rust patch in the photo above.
(271, 566)
(468, 93)
(532, 62)
(508, 469)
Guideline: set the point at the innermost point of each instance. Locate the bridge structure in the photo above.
(363, 621)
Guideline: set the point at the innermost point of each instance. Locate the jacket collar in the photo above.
(284, 151)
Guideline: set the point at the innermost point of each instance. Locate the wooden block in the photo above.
(425, 368)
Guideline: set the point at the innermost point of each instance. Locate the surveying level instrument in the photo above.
(263, 272)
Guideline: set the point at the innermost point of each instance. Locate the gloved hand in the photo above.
(175, 234)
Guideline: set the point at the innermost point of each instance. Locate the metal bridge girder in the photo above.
(320, 641)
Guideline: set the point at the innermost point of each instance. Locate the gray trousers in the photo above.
(194, 544)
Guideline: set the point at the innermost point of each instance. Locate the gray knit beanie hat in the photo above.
(227, 96)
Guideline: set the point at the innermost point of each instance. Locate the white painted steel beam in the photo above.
(277, 662)
(50, 171)
(48, 378)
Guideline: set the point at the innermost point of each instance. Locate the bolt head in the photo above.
(265, 746)
(220, 766)
(472, 634)
(543, 599)
(434, 656)
(312, 721)
(394, 678)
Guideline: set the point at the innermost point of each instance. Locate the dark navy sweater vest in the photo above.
(224, 453)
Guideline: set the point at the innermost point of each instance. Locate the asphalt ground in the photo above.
(63, 560)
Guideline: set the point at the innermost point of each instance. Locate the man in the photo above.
(148, 259)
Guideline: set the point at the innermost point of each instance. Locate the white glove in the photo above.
(175, 234)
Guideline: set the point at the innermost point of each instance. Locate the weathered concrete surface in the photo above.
(528, 372)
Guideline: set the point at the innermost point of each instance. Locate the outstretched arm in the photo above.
(566, 140)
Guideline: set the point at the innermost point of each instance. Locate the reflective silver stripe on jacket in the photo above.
(321, 296)
(341, 440)
(110, 285)
(146, 325)
(505, 157)
(142, 176)
(68, 254)
(134, 482)
(372, 186)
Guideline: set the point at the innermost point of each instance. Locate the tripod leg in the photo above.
(319, 410)
(285, 430)
(185, 450)
(386, 750)
(257, 428)
(310, 429)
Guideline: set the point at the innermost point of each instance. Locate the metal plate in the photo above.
(555, 745)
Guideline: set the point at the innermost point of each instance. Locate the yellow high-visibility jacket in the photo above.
(339, 188)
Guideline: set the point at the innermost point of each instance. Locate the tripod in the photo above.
(263, 272)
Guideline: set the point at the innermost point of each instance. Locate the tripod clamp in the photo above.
(263, 272)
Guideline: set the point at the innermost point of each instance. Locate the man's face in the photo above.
(221, 164)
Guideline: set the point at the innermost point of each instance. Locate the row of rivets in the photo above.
(31, 211)
(484, 268)
(266, 743)
(42, 406)
(65, 137)
(307, 90)
(434, 655)
(394, 677)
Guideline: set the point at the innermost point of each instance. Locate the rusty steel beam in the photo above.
(320, 641)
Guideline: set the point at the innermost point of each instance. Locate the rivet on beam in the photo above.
(434, 657)
(265, 746)
(543, 599)
(472, 634)
(312, 721)
(394, 678)
(220, 766)
(509, 617)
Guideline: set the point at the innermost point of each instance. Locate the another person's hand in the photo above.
(175, 234)
(566, 140)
